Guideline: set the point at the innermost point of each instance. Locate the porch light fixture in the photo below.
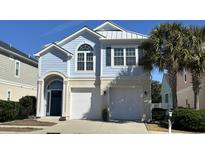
(145, 93)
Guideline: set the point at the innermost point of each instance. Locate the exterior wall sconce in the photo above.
(104, 93)
(145, 93)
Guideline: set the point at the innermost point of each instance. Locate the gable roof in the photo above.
(53, 45)
(108, 24)
(76, 33)
(105, 31)
(12, 50)
(116, 32)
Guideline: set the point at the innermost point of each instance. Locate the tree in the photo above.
(196, 59)
(155, 91)
(166, 50)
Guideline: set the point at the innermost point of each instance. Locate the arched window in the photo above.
(55, 85)
(85, 58)
(85, 47)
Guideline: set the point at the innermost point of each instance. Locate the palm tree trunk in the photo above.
(196, 101)
(173, 85)
(196, 88)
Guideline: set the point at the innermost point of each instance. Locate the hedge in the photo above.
(27, 106)
(189, 119)
(8, 110)
(158, 114)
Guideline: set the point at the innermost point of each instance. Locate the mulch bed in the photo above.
(14, 129)
(29, 122)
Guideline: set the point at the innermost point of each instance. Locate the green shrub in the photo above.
(105, 116)
(27, 106)
(8, 110)
(189, 119)
(158, 114)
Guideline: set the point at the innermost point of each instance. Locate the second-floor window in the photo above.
(85, 58)
(124, 57)
(17, 68)
(130, 56)
(118, 57)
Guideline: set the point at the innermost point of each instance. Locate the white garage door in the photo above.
(85, 103)
(126, 103)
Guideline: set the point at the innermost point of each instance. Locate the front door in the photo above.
(56, 103)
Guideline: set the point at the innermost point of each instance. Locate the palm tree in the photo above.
(165, 49)
(196, 60)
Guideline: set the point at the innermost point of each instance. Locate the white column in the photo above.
(65, 101)
(40, 96)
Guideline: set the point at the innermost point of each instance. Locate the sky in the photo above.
(30, 35)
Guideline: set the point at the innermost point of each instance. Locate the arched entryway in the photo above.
(53, 95)
(54, 92)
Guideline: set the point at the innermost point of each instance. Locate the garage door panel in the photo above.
(85, 103)
(125, 103)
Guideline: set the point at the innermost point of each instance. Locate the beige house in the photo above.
(185, 93)
(18, 73)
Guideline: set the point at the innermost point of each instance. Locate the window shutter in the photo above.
(140, 56)
(108, 56)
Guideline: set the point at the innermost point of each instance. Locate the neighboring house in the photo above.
(94, 69)
(18, 73)
(185, 94)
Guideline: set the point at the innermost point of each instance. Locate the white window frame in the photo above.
(85, 60)
(7, 95)
(118, 56)
(124, 50)
(17, 61)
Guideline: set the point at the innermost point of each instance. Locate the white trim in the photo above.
(124, 54)
(50, 90)
(76, 33)
(82, 79)
(101, 59)
(17, 84)
(39, 66)
(85, 60)
(49, 110)
(108, 23)
(53, 45)
(52, 73)
(19, 71)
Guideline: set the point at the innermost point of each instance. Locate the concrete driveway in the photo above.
(94, 127)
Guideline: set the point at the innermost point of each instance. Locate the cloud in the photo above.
(61, 27)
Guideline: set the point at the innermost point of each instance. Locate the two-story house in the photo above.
(185, 94)
(18, 73)
(94, 69)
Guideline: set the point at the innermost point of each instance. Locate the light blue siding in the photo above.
(72, 47)
(54, 61)
(166, 89)
(109, 71)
